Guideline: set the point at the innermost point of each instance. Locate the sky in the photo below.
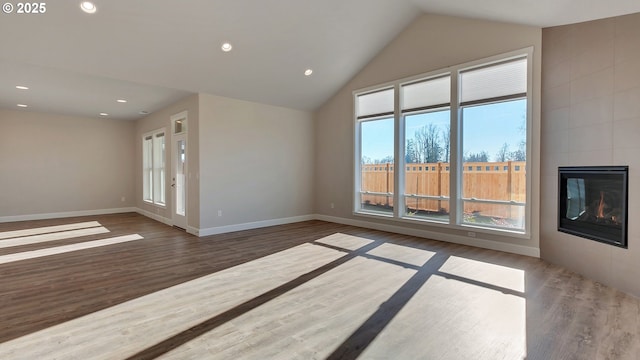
(485, 128)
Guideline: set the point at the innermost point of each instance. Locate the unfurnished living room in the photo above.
(336, 179)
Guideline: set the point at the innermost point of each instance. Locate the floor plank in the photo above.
(310, 290)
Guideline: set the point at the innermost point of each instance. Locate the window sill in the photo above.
(161, 206)
(515, 234)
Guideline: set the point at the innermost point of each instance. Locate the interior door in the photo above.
(179, 172)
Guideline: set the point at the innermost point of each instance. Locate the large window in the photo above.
(153, 167)
(493, 103)
(459, 138)
(426, 115)
(375, 172)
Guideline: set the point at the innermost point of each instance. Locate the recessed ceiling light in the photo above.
(226, 47)
(22, 105)
(104, 114)
(88, 7)
(21, 87)
(308, 72)
(121, 101)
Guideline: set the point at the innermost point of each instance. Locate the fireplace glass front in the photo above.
(592, 203)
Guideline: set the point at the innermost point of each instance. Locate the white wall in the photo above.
(53, 164)
(256, 162)
(430, 43)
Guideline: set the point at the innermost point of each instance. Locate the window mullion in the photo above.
(398, 175)
(455, 153)
(357, 188)
(529, 147)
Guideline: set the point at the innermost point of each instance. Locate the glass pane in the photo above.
(147, 168)
(181, 197)
(576, 198)
(427, 151)
(179, 126)
(494, 150)
(159, 169)
(377, 164)
(430, 209)
(493, 81)
(377, 203)
(426, 93)
(495, 215)
(379, 102)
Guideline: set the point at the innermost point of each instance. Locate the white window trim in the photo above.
(151, 191)
(357, 150)
(455, 210)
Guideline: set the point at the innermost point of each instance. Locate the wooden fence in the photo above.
(502, 181)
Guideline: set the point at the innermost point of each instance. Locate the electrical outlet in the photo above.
(332, 205)
(219, 212)
(471, 234)
(123, 199)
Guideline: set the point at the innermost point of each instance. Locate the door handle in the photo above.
(173, 185)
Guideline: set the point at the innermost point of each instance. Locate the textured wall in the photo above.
(591, 116)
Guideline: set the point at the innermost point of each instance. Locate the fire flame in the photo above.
(600, 214)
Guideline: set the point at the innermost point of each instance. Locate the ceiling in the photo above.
(155, 52)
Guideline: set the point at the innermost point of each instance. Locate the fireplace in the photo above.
(592, 203)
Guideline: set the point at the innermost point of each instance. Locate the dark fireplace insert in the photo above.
(592, 203)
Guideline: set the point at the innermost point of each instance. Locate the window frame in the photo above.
(156, 169)
(456, 157)
(357, 205)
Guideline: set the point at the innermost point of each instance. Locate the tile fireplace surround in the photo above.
(590, 117)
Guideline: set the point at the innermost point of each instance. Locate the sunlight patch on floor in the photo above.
(348, 242)
(48, 229)
(4, 259)
(321, 313)
(484, 272)
(61, 235)
(402, 254)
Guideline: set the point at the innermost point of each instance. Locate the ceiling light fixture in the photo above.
(104, 114)
(308, 72)
(121, 101)
(88, 7)
(21, 87)
(22, 105)
(226, 47)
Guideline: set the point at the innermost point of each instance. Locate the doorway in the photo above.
(179, 173)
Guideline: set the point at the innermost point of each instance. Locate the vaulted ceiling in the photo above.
(154, 52)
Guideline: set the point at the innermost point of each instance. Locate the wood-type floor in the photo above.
(126, 287)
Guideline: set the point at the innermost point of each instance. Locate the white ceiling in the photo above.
(154, 52)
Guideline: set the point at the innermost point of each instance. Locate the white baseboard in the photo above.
(190, 229)
(193, 231)
(67, 214)
(155, 217)
(253, 225)
(482, 243)
(487, 244)
(456, 239)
